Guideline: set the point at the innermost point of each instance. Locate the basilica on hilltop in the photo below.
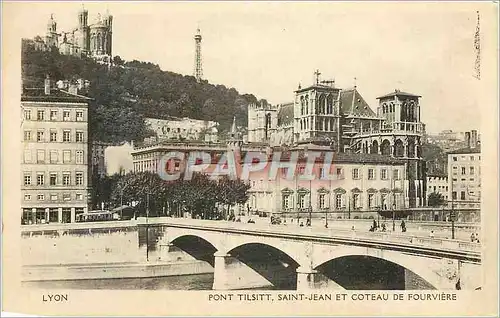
(93, 40)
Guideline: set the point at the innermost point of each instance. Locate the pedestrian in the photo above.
(432, 234)
(403, 225)
(301, 224)
(477, 238)
(472, 237)
(375, 225)
(352, 228)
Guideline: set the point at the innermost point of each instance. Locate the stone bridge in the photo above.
(288, 257)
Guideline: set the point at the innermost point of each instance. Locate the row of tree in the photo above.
(201, 196)
(129, 91)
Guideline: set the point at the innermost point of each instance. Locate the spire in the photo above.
(233, 127)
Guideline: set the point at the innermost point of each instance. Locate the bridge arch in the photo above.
(288, 249)
(174, 235)
(406, 261)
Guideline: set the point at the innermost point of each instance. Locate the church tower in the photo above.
(316, 112)
(51, 38)
(83, 30)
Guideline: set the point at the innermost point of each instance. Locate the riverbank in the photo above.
(56, 272)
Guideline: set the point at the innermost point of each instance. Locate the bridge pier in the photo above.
(220, 271)
(306, 278)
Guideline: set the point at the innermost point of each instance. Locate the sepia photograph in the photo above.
(279, 154)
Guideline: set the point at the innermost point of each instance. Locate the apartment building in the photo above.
(55, 154)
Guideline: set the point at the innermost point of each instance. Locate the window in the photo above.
(79, 157)
(27, 197)
(27, 179)
(383, 174)
(40, 179)
(53, 135)
(41, 197)
(371, 200)
(284, 172)
(66, 135)
(40, 156)
(463, 170)
(338, 201)
(79, 116)
(53, 156)
(27, 114)
(454, 158)
(471, 158)
(301, 170)
(286, 201)
(66, 178)
(40, 115)
(79, 178)
(454, 179)
(53, 197)
(383, 199)
(322, 201)
(66, 156)
(471, 170)
(471, 179)
(355, 200)
(53, 115)
(79, 196)
(66, 196)
(53, 178)
(27, 135)
(340, 173)
(66, 115)
(454, 195)
(27, 155)
(302, 201)
(322, 173)
(462, 195)
(371, 174)
(355, 173)
(396, 174)
(39, 136)
(79, 136)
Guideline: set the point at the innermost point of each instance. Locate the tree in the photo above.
(137, 187)
(435, 199)
(232, 192)
(117, 60)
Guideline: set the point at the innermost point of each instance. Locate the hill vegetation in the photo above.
(130, 91)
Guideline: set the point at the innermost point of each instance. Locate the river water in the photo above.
(186, 282)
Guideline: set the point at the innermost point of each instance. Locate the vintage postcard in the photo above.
(250, 158)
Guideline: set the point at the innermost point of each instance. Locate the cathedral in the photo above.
(323, 114)
(93, 40)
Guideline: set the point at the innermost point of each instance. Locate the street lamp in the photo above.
(393, 217)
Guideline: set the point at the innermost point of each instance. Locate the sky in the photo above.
(267, 49)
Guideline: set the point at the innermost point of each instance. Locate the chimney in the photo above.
(473, 139)
(467, 138)
(47, 85)
(73, 89)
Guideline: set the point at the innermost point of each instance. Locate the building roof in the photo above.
(346, 158)
(397, 92)
(436, 175)
(351, 102)
(285, 114)
(466, 150)
(317, 86)
(56, 96)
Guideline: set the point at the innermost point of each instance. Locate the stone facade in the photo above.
(55, 164)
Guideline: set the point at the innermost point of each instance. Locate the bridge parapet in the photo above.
(309, 233)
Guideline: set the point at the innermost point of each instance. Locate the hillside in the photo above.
(130, 91)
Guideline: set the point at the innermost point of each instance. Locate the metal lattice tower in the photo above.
(198, 66)
(477, 47)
